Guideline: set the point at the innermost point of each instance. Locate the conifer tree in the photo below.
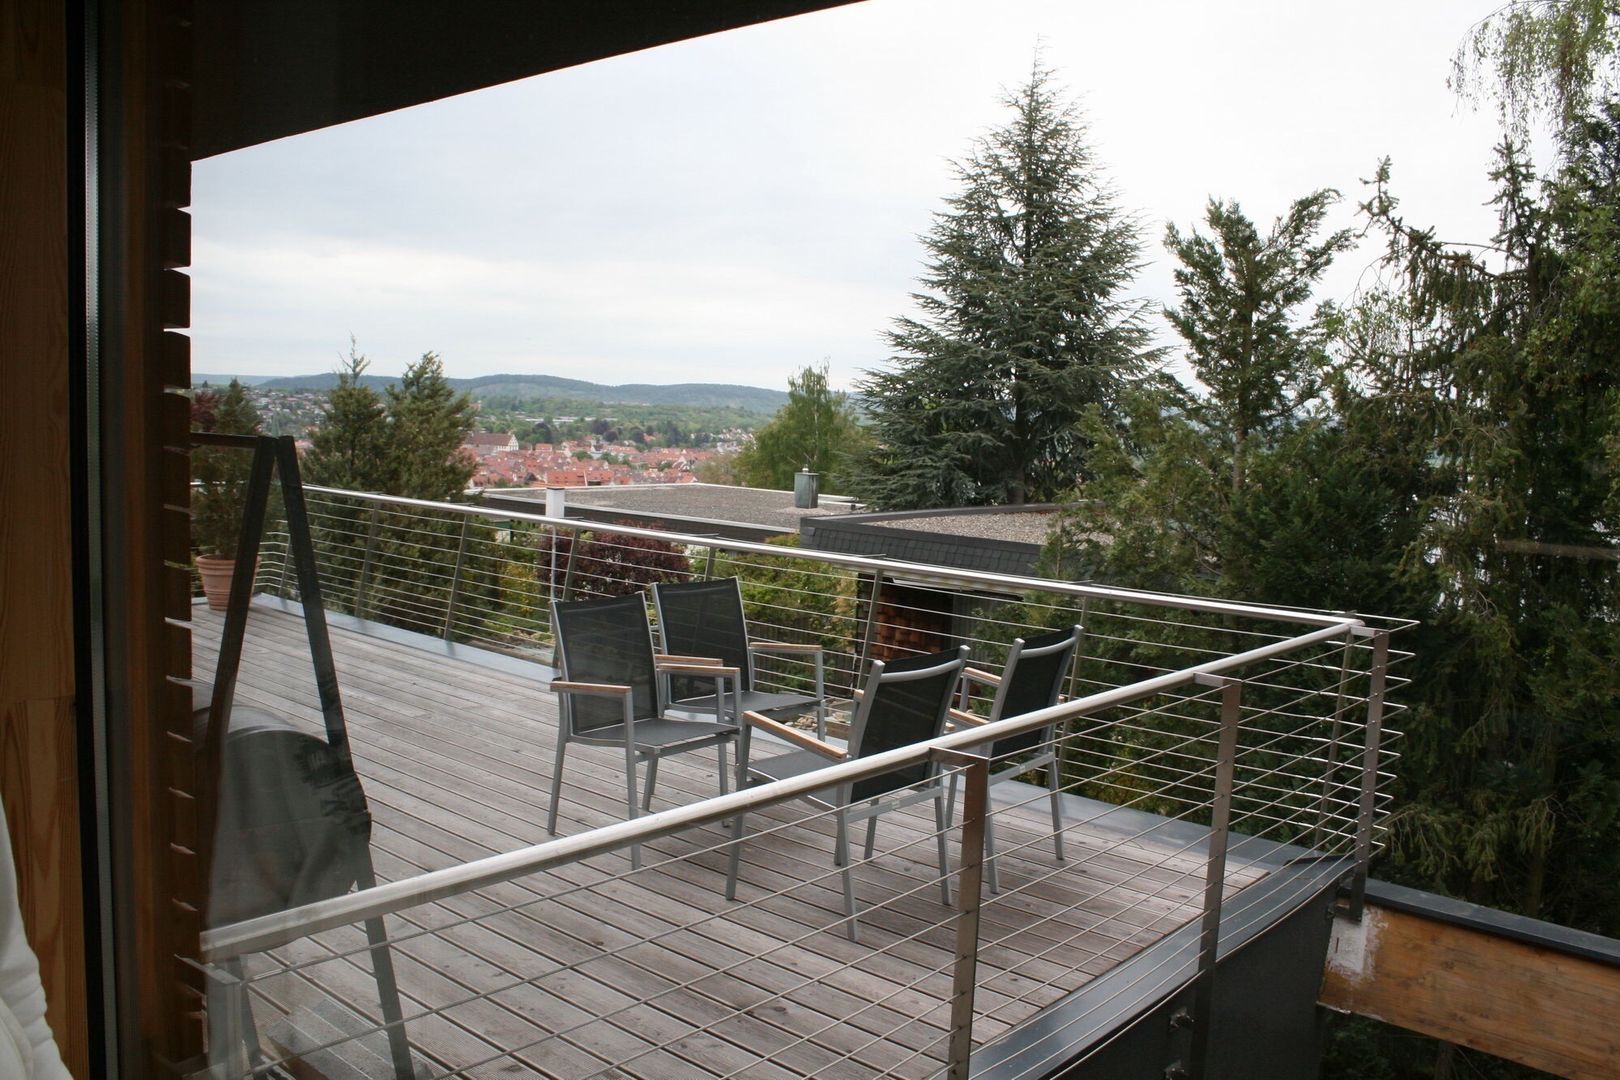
(427, 423)
(350, 444)
(1020, 326)
(1239, 292)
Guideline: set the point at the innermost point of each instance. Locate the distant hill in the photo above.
(198, 379)
(712, 395)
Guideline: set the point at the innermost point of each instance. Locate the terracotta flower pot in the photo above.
(216, 572)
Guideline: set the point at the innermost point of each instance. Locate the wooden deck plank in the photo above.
(654, 973)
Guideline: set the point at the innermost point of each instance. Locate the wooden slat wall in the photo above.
(37, 751)
(1545, 1009)
(148, 470)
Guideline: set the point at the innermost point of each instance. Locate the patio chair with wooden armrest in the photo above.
(1032, 679)
(608, 695)
(706, 618)
(905, 702)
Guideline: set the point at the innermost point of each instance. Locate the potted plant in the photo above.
(219, 488)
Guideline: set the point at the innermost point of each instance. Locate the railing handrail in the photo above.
(269, 931)
(919, 571)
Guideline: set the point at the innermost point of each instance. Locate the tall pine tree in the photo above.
(1020, 327)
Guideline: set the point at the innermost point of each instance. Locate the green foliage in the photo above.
(603, 563)
(350, 445)
(1238, 294)
(1513, 764)
(404, 442)
(219, 493)
(427, 423)
(1020, 328)
(1541, 57)
(798, 600)
(817, 428)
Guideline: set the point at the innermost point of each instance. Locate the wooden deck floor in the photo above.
(593, 971)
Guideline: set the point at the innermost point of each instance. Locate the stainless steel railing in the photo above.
(1266, 727)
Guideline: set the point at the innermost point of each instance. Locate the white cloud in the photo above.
(737, 206)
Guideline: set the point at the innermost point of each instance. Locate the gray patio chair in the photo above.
(904, 702)
(1031, 680)
(705, 618)
(608, 695)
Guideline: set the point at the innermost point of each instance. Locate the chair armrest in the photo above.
(971, 674)
(804, 647)
(712, 670)
(957, 716)
(661, 658)
(794, 735)
(561, 686)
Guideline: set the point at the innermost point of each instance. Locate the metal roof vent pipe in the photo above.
(806, 489)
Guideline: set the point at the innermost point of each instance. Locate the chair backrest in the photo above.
(704, 618)
(605, 641)
(905, 702)
(1032, 680)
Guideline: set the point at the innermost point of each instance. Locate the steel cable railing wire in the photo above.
(1270, 752)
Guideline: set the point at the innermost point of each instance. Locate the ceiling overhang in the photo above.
(266, 69)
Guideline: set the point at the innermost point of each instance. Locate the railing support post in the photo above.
(969, 901)
(869, 630)
(455, 579)
(1209, 937)
(1330, 768)
(228, 1052)
(365, 564)
(1369, 773)
(568, 570)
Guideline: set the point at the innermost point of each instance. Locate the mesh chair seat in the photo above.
(787, 766)
(662, 733)
(750, 701)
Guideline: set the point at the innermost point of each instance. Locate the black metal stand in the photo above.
(273, 454)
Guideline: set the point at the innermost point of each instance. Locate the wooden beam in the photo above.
(1544, 1007)
(38, 766)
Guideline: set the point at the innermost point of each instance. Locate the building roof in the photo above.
(997, 539)
(703, 509)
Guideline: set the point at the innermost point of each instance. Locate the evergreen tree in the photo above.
(1239, 292)
(816, 428)
(427, 423)
(350, 445)
(1020, 328)
(1514, 759)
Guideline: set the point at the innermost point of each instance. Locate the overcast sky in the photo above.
(733, 208)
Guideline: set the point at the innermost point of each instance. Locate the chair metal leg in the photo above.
(556, 777)
(841, 858)
(652, 782)
(1054, 783)
(630, 792)
(942, 825)
(721, 747)
(871, 835)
